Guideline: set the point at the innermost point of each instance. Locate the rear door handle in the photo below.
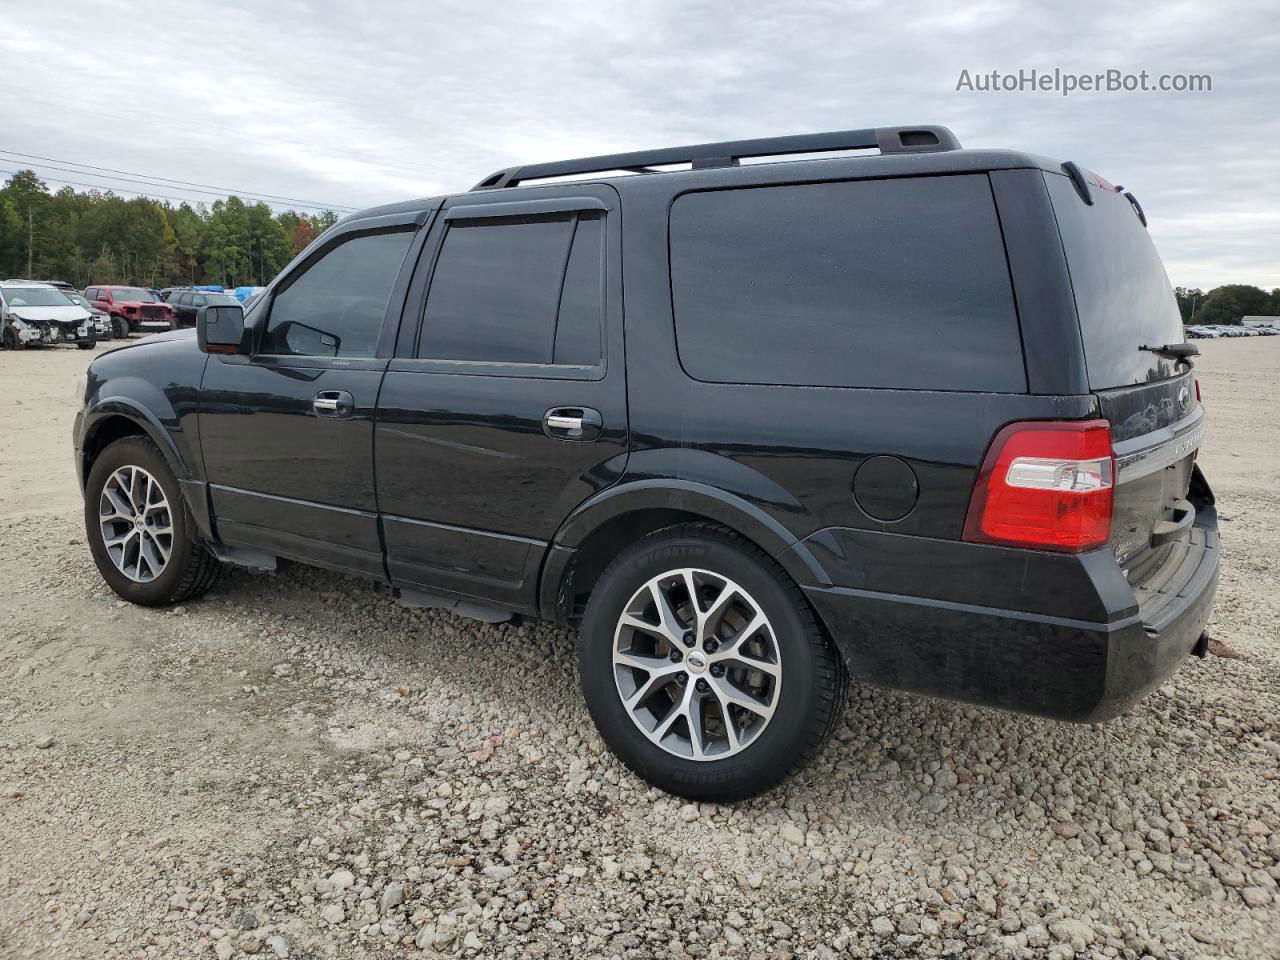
(572, 423)
(335, 404)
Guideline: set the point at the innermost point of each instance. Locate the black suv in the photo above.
(924, 417)
(187, 303)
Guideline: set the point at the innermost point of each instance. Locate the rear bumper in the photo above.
(1051, 634)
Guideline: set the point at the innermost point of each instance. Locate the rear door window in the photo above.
(524, 290)
(1123, 297)
(877, 283)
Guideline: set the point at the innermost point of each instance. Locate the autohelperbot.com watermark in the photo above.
(1065, 82)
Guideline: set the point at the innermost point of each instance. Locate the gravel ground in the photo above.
(296, 766)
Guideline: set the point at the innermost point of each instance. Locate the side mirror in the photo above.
(220, 329)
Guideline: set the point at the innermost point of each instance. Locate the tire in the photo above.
(10, 339)
(119, 328)
(189, 570)
(88, 343)
(803, 683)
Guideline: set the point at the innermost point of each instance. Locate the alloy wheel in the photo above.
(136, 522)
(697, 664)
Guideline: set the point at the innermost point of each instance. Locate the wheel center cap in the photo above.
(137, 522)
(695, 662)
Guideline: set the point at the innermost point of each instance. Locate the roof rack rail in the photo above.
(702, 156)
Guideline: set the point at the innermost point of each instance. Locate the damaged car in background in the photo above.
(39, 314)
(101, 319)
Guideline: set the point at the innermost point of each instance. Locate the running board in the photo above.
(257, 560)
(420, 599)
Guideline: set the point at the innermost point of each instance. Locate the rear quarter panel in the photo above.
(793, 451)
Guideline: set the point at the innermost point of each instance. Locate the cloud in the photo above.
(362, 104)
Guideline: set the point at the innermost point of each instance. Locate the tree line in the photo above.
(1227, 304)
(98, 237)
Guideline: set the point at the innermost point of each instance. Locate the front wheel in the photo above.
(119, 328)
(704, 667)
(10, 339)
(138, 530)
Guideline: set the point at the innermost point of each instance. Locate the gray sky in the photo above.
(333, 103)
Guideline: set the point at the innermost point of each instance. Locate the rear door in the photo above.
(505, 406)
(1126, 307)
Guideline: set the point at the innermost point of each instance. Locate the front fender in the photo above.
(104, 410)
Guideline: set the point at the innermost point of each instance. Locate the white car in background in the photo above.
(39, 314)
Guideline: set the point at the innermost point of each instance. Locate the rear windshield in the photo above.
(1122, 293)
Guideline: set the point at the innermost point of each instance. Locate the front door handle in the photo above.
(335, 404)
(572, 423)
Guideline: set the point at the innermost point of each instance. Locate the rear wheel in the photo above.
(138, 530)
(704, 667)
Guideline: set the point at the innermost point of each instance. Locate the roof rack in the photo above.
(703, 156)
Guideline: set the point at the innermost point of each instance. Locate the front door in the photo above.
(505, 406)
(287, 432)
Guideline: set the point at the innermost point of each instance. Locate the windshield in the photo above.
(78, 300)
(1123, 297)
(35, 297)
(223, 298)
(132, 293)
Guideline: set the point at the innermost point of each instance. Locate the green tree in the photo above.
(1229, 303)
(189, 228)
(227, 242)
(269, 246)
(99, 237)
(323, 221)
(30, 198)
(1189, 300)
(12, 234)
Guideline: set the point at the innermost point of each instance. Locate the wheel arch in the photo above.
(119, 417)
(593, 535)
(116, 418)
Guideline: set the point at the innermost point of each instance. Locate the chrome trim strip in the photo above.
(1173, 443)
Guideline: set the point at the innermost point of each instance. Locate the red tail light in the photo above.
(1047, 485)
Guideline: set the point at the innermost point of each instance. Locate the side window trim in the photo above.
(524, 208)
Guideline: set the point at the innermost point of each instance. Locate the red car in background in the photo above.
(132, 308)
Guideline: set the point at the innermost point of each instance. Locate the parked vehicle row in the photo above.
(43, 313)
(1209, 331)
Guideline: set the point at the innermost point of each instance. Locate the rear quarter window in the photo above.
(1123, 297)
(879, 283)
